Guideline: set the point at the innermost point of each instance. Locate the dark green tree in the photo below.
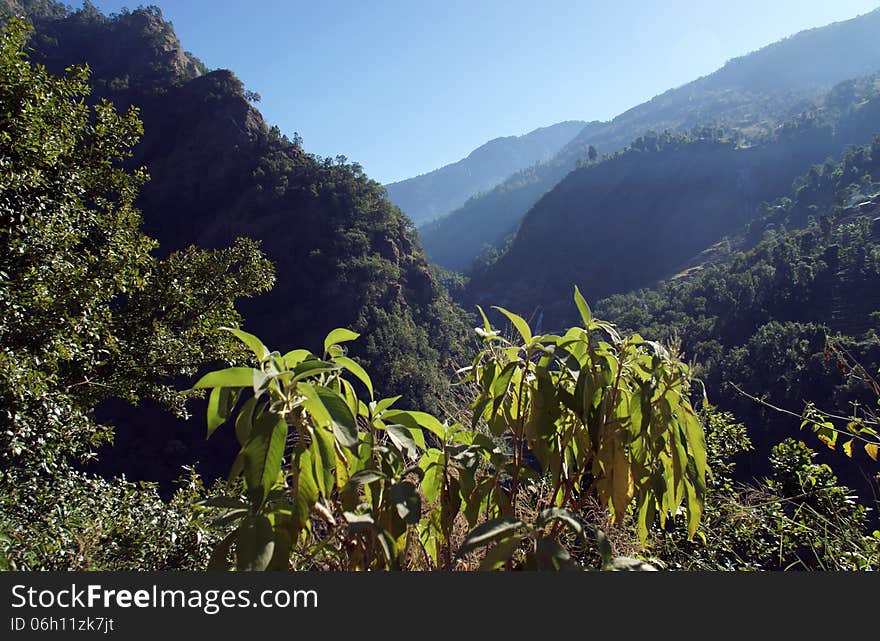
(89, 312)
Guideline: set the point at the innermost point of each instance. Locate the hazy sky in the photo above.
(406, 86)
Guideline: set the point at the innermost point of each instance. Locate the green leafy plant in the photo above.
(333, 480)
(588, 414)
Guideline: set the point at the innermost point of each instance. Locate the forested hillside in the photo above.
(630, 220)
(752, 94)
(758, 320)
(436, 193)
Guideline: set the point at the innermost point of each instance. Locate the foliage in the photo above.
(858, 430)
(760, 321)
(331, 480)
(798, 518)
(75, 521)
(862, 426)
(89, 312)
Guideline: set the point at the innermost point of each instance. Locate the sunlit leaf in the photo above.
(337, 336)
(518, 322)
(229, 377)
(255, 344)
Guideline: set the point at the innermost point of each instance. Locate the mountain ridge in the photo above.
(635, 217)
(454, 241)
(437, 192)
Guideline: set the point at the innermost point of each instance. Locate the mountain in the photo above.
(636, 217)
(344, 255)
(758, 319)
(436, 193)
(752, 93)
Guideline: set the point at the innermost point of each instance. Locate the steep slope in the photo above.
(436, 193)
(635, 218)
(750, 93)
(344, 255)
(759, 318)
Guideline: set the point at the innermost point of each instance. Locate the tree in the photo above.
(592, 154)
(89, 312)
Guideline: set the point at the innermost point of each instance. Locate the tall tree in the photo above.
(89, 312)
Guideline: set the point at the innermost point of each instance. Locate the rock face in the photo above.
(130, 54)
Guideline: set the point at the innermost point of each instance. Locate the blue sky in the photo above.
(404, 87)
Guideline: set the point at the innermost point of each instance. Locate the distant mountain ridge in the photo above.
(436, 193)
(752, 93)
(636, 217)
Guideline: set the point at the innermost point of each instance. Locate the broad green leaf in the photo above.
(255, 544)
(365, 477)
(604, 547)
(487, 327)
(221, 402)
(312, 367)
(384, 404)
(230, 517)
(646, 514)
(696, 440)
(358, 371)
(564, 516)
(339, 335)
(229, 377)
(489, 532)
(415, 420)
(694, 506)
(518, 322)
(501, 384)
(324, 456)
(331, 410)
(297, 356)
(550, 555)
(407, 502)
(262, 455)
(432, 464)
(260, 383)
(256, 345)
(389, 549)
(582, 306)
(403, 439)
(350, 396)
(306, 489)
(244, 420)
(357, 522)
